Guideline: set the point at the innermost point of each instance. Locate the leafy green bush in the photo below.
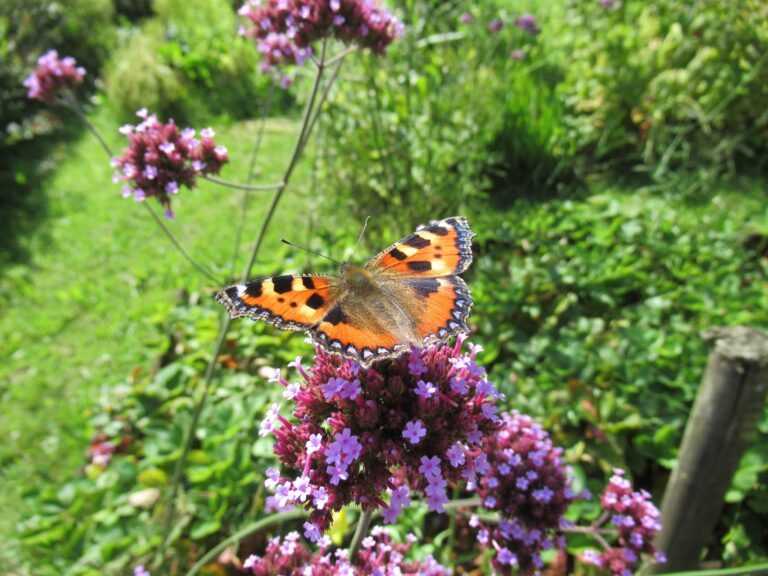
(592, 312)
(589, 312)
(111, 517)
(137, 78)
(664, 87)
(450, 117)
(189, 63)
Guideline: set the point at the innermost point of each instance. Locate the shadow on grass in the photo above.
(24, 205)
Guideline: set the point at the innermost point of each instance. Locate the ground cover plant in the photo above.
(538, 442)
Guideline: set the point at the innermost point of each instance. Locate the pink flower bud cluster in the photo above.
(379, 554)
(410, 423)
(286, 29)
(160, 159)
(636, 520)
(103, 447)
(526, 483)
(527, 23)
(51, 75)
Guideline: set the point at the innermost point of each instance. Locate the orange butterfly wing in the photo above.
(440, 249)
(416, 297)
(354, 331)
(443, 306)
(290, 302)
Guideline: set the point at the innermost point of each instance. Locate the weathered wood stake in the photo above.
(730, 401)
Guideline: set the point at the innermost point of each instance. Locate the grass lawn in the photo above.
(86, 310)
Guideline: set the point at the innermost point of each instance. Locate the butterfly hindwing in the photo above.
(354, 330)
(440, 249)
(290, 302)
(442, 304)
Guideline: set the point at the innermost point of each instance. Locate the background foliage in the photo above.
(590, 159)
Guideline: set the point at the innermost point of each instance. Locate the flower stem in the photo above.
(324, 97)
(265, 109)
(238, 186)
(68, 99)
(360, 532)
(181, 462)
(179, 246)
(247, 531)
(303, 134)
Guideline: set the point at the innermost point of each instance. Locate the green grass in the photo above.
(87, 309)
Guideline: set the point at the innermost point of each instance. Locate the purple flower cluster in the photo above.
(286, 29)
(379, 554)
(527, 23)
(51, 75)
(160, 159)
(525, 481)
(636, 520)
(411, 423)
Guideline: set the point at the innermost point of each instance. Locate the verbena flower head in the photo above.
(525, 481)
(287, 29)
(636, 521)
(51, 75)
(527, 23)
(371, 436)
(379, 554)
(160, 159)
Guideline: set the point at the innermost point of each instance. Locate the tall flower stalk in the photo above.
(313, 102)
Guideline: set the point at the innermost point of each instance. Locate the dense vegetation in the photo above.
(610, 158)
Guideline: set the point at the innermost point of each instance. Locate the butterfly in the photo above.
(409, 294)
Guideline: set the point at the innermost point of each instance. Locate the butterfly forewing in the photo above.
(291, 302)
(440, 249)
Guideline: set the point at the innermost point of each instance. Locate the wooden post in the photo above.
(729, 403)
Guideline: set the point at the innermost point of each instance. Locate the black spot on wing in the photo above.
(426, 286)
(309, 284)
(420, 266)
(417, 241)
(397, 255)
(282, 284)
(439, 230)
(253, 289)
(335, 316)
(315, 301)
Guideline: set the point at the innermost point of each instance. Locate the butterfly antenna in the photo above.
(359, 238)
(284, 241)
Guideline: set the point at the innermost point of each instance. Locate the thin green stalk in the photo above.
(291, 166)
(238, 186)
(189, 440)
(262, 524)
(179, 246)
(226, 322)
(265, 109)
(71, 102)
(324, 97)
(360, 532)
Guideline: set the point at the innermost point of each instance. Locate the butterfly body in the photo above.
(407, 295)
